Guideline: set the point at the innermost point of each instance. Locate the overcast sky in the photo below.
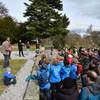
(81, 13)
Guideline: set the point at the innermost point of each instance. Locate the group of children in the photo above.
(58, 77)
(53, 77)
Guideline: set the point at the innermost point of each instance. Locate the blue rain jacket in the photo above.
(8, 75)
(46, 83)
(55, 73)
(69, 71)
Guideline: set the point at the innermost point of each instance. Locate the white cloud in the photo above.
(16, 8)
(82, 13)
(88, 8)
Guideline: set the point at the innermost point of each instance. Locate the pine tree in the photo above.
(45, 19)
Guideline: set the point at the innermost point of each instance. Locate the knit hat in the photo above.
(69, 60)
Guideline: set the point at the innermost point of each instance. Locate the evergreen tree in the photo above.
(8, 27)
(45, 19)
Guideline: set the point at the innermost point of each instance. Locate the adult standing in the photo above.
(5, 51)
(28, 47)
(37, 47)
(92, 90)
(20, 48)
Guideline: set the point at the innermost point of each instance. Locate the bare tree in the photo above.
(89, 30)
(3, 10)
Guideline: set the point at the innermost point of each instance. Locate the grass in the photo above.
(15, 67)
(15, 48)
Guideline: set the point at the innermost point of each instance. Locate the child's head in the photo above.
(55, 61)
(8, 38)
(46, 61)
(43, 56)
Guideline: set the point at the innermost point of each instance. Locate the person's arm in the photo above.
(63, 73)
(38, 73)
(10, 47)
(84, 94)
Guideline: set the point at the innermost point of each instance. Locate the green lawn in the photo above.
(15, 66)
(15, 48)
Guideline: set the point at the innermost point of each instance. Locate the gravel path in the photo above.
(15, 55)
(16, 92)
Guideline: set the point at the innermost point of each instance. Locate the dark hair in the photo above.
(80, 49)
(99, 52)
(65, 57)
(73, 50)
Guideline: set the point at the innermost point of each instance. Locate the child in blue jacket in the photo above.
(69, 70)
(69, 73)
(55, 78)
(43, 75)
(8, 77)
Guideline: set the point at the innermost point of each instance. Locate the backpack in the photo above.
(79, 68)
(9, 81)
(6, 81)
(73, 73)
(92, 96)
(69, 72)
(43, 75)
(68, 94)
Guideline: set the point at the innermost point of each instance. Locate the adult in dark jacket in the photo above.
(92, 91)
(20, 48)
(68, 94)
(68, 91)
(84, 60)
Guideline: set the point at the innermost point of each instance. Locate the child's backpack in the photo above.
(6, 81)
(9, 78)
(69, 72)
(79, 68)
(92, 96)
(13, 81)
(73, 73)
(43, 75)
